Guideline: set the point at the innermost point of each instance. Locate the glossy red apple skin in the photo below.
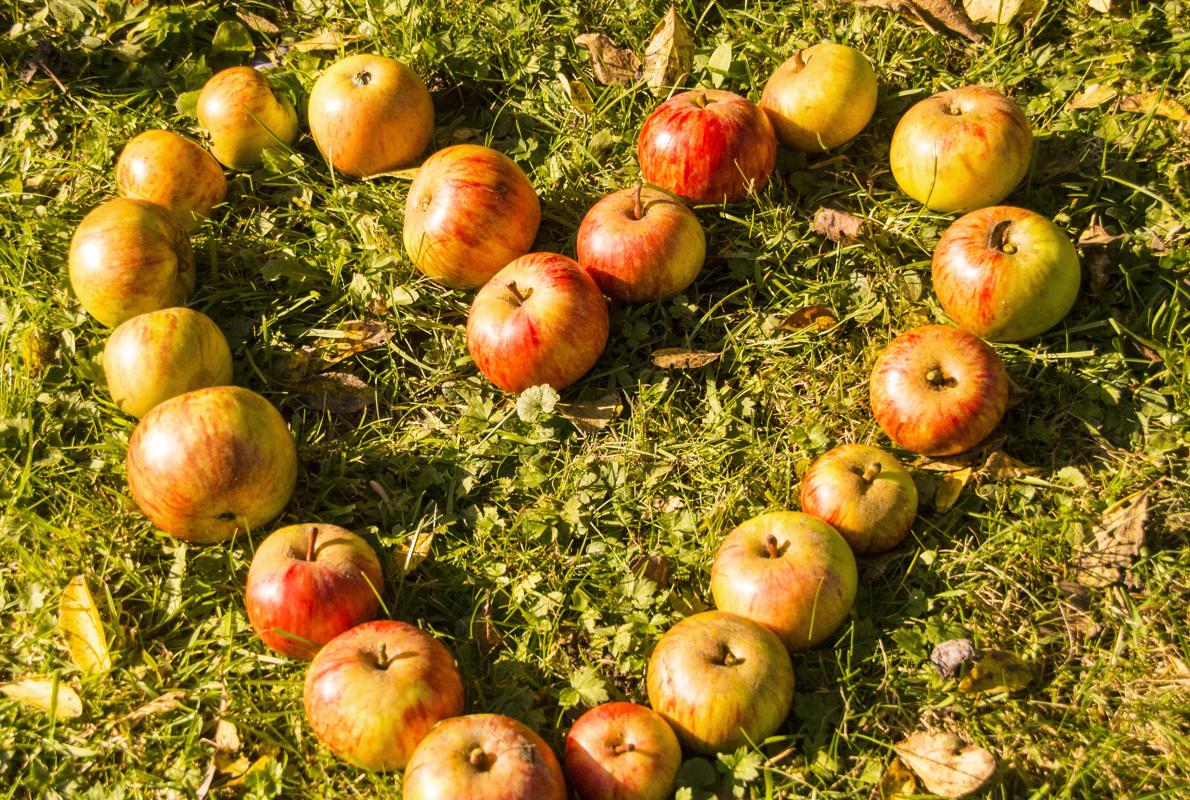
(128, 257)
(172, 171)
(790, 572)
(820, 97)
(375, 691)
(370, 114)
(864, 493)
(638, 252)
(162, 354)
(622, 751)
(483, 757)
(211, 463)
(961, 149)
(308, 583)
(539, 320)
(708, 146)
(721, 681)
(1005, 273)
(243, 117)
(470, 211)
(937, 390)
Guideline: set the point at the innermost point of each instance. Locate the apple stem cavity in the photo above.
(637, 211)
(730, 659)
(938, 379)
(771, 544)
(625, 747)
(362, 78)
(310, 542)
(700, 100)
(998, 237)
(871, 471)
(516, 292)
(479, 759)
(382, 659)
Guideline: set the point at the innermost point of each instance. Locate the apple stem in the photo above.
(771, 544)
(362, 78)
(730, 659)
(621, 749)
(871, 471)
(998, 237)
(701, 100)
(637, 211)
(310, 542)
(798, 61)
(478, 759)
(382, 659)
(937, 378)
(516, 292)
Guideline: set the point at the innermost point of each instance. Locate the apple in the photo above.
(376, 690)
(937, 390)
(961, 149)
(469, 212)
(820, 97)
(483, 757)
(708, 146)
(211, 463)
(864, 494)
(172, 171)
(539, 320)
(370, 114)
(1005, 274)
(161, 354)
(641, 245)
(790, 572)
(128, 257)
(622, 751)
(244, 117)
(721, 681)
(309, 583)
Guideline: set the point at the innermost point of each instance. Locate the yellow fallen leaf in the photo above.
(819, 318)
(896, 783)
(999, 12)
(1118, 538)
(681, 358)
(669, 55)
(1156, 103)
(410, 554)
(351, 338)
(259, 765)
(1000, 466)
(1093, 96)
(997, 671)
(950, 489)
(946, 764)
(158, 705)
(79, 621)
(47, 694)
(326, 40)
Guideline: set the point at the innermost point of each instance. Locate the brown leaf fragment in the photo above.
(227, 737)
(947, 657)
(1156, 103)
(351, 338)
(410, 554)
(167, 702)
(45, 694)
(669, 55)
(1093, 95)
(838, 226)
(487, 635)
(1000, 12)
(950, 489)
(326, 40)
(1096, 262)
(1096, 235)
(258, 23)
(681, 358)
(654, 568)
(578, 95)
(594, 415)
(1119, 537)
(947, 765)
(337, 392)
(930, 13)
(1000, 466)
(611, 64)
(997, 671)
(897, 782)
(818, 317)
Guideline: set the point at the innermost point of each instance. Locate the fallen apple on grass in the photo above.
(174, 172)
(374, 692)
(211, 463)
(622, 751)
(470, 211)
(1005, 274)
(864, 493)
(370, 114)
(721, 681)
(128, 257)
(244, 117)
(937, 390)
(641, 245)
(308, 583)
(483, 757)
(790, 572)
(540, 320)
(161, 354)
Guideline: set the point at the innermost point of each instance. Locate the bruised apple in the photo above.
(244, 117)
(174, 172)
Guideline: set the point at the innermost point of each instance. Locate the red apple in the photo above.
(790, 572)
(820, 97)
(1005, 273)
(470, 211)
(171, 171)
(309, 583)
(622, 751)
(211, 463)
(962, 149)
(708, 146)
(641, 245)
(539, 320)
(721, 681)
(243, 117)
(370, 114)
(162, 354)
(937, 390)
(864, 494)
(128, 257)
(483, 757)
(375, 691)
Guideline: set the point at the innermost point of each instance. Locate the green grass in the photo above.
(544, 576)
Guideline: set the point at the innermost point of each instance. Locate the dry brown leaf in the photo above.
(39, 693)
(576, 92)
(680, 358)
(337, 392)
(258, 23)
(818, 317)
(931, 12)
(896, 783)
(486, 634)
(838, 226)
(950, 489)
(1096, 262)
(669, 55)
(947, 657)
(654, 568)
(227, 737)
(1157, 103)
(997, 671)
(946, 764)
(1096, 234)
(1118, 538)
(351, 338)
(1104, 6)
(611, 64)
(327, 40)
(592, 415)
(1093, 95)
(79, 622)
(1000, 466)
(410, 554)
(1000, 12)
(159, 705)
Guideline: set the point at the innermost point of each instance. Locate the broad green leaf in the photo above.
(232, 37)
(719, 64)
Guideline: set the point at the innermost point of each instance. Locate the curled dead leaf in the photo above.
(610, 64)
(681, 358)
(351, 338)
(1096, 234)
(486, 634)
(1119, 537)
(79, 622)
(167, 702)
(258, 23)
(838, 226)
(1000, 12)
(1000, 466)
(669, 55)
(654, 568)
(819, 318)
(931, 13)
(1158, 104)
(951, 487)
(45, 694)
(592, 415)
(337, 392)
(1093, 95)
(947, 657)
(227, 736)
(997, 671)
(947, 765)
(1096, 262)
(327, 40)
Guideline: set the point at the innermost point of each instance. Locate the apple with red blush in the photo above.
(622, 751)
(864, 493)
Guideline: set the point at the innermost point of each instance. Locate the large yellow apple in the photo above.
(370, 114)
(172, 171)
(243, 117)
(820, 97)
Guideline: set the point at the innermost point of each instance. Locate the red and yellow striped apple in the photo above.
(622, 751)
(244, 117)
(863, 493)
(172, 171)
